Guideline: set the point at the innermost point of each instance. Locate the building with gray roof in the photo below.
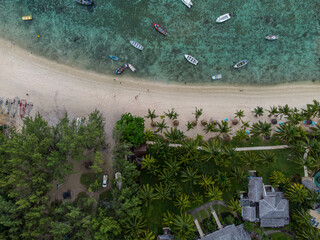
(264, 204)
(230, 232)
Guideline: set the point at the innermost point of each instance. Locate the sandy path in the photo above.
(55, 88)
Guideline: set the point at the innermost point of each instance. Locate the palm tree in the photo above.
(278, 178)
(235, 206)
(249, 159)
(151, 114)
(160, 149)
(183, 225)
(210, 127)
(161, 125)
(294, 118)
(241, 135)
(316, 130)
(149, 135)
(182, 202)
(273, 111)
(148, 162)
(173, 165)
(223, 128)
(189, 126)
(163, 191)
(197, 113)
(290, 133)
(172, 114)
(258, 111)
(223, 181)
(210, 150)
(222, 161)
(196, 198)
(239, 114)
(205, 181)
(239, 176)
(167, 219)
(147, 235)
(166, 175)
(261, 129)
(134, 226)
(147, 194)
(285, 110)
(190, 175)
(213, 193)
(189, 149)
(175, 135)
(267, 157)
(245, 125)
(296, 193)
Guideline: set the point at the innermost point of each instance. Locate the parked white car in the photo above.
(105, 180)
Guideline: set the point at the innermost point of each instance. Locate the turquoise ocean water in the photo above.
(84, 37)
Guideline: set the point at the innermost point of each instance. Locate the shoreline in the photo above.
(55, 88)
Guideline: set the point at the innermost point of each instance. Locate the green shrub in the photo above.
(92, 181)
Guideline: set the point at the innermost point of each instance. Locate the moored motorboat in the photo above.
(85, 2)
(223, 18)
(191, 59)
(160, 29)
(137, 45)
(114, 57)
(188, 3)
(216, 76)
(121, 69)
(26, 18)
(132, 68)
(241, 64)
(272, 37)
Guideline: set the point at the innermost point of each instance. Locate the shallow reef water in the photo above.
(84, 37)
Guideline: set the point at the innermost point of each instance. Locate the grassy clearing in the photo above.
(280, 236)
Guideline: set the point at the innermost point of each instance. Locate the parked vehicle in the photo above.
(105, 180)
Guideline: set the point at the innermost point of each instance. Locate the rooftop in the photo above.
(230, 232)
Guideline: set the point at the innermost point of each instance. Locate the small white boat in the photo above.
(216, 76)
(191, 59)
(132, 68)
(223, 18)
(272, 37)
(241, 64)
(137, 45)
(188, 3)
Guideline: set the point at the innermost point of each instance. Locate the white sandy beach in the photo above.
(54, 88)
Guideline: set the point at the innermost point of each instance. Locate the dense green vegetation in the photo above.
(161, 188)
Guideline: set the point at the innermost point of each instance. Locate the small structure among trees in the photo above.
(264, 204)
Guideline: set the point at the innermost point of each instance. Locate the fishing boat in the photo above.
(241, 64)
(27, 18)
(121, 69)
(132, 68)
(191, 59)
(272, 37)
(137, 45)
(160, 29)
(223, 18)
(114, 57)
(85, 2)
(216, 77)
(188, 3)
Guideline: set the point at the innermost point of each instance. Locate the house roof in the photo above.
(273, 222)
(166, 237)
(255, 189)
(230, 232)
(249, 213)
(309, 184)
(273, 208)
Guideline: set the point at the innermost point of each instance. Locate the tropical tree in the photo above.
(223, 128)
(196, 198)
(190, 175)
(210, 127)
(294, 118)
(284, 110)
(267, 157)
(166, 175)
(235, 206)
(258, 111)
(147, 194)
(273, 111)
(183, 225)
(296, 193)
(149, 135)
(249, 159)
(175, 135)
(222, 160)
(210, 150)
(151, 114)
(239, 114)
(147, 235)
(278, 178)
(189, 151)
(205, 181)
(173, 165)
(213, 193)
(161, 126)
(96, 167)
(197, 113)
(167, 219)
(172, 114)
(189, 126)
(241, 135)
(261, 129)
(238, 175)
(290, 133)
(163, 191)
(148, 162)
(223, 181)
(182, 202)
(133, 227)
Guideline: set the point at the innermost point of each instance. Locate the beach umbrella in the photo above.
(235, 121)
(274, 121)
